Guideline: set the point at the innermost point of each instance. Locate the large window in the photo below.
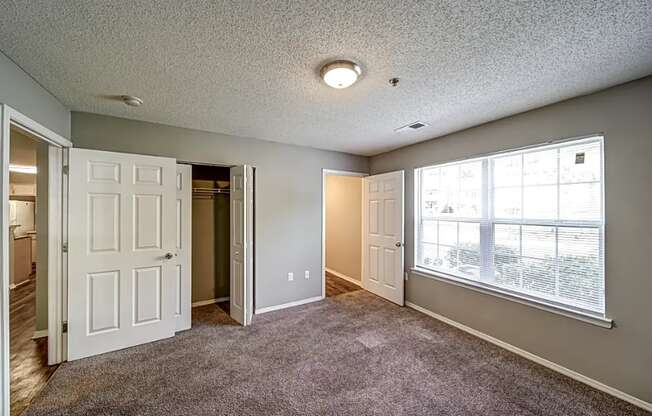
(527, 222)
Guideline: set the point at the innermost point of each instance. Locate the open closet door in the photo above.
(241, 196)
(183, 272)
(121, 253)
(383, 236)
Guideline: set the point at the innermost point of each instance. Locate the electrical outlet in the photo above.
(290, 276)
(307, 274)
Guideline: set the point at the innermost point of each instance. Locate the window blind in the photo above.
(527, 221)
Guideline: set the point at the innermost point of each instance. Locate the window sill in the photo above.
(503, 294)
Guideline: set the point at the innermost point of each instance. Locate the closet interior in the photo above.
(210, 235)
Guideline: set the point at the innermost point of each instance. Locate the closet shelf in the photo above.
(209, 191)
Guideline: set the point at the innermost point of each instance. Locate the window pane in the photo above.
(429, 185)
(507, 203)
(580, 273)
(579, 163)
(540, 202)
(448, 233)
(429, 231)
(582, 242)
(469, 204)
(539, 276)
(507, 248)
(539, 242)
(508, 271)
(469, 234)
(471, 176)
(580, 201)
(507, 239)
(507, 171)
(449, 178)
(469, 263)
(448, 257)
(428, 255)
(540, 168)
(549, 245)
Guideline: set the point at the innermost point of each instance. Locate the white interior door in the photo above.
(121, 266)
(241, 197)
(383, 235)
(183, 271)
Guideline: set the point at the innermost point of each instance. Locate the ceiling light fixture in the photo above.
(131, 100)
(340, 74)
(22, 169)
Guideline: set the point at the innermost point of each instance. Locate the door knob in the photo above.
(398, 244)
(169, 256)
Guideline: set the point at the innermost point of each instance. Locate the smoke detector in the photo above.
(132, 100)
(411, 127)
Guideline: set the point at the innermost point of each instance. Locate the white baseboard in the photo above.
(209, 301)
(288, 305)
(345, 277)
(40, 334)
(539, 360)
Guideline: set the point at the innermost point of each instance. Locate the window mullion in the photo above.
(486, 227)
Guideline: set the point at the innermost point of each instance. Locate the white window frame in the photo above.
(487, 222)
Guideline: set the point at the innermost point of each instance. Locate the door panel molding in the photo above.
(122, 276)
(183, 244)
(383, 235)
(241, 242)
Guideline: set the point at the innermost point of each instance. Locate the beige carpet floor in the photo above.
(352, 354)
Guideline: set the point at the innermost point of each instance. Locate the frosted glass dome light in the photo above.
(340, 74)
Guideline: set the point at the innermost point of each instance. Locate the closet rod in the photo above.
(210, 191)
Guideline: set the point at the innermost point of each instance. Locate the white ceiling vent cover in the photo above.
(411, 127)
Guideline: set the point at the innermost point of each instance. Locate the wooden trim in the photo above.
(345, 277)
(539, 360)
(209, 301)
(42, 333)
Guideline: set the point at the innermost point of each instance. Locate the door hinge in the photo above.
(65, 169)
(64, 248)
(64, 327)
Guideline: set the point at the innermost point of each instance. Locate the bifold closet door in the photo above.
(241, 201)
(183, 243)
(121, 254)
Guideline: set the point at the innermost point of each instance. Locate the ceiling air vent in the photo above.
(412, 126)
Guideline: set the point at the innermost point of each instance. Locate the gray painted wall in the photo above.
(620, 357)
(20, 91)
(288, 191)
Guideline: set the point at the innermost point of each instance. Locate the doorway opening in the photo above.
(219, 252)
(343, 199)
(211, 219)
(28, 268)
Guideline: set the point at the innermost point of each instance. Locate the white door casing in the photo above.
(241, 202)
(121, 267)
(383, 235)
(183, 270)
